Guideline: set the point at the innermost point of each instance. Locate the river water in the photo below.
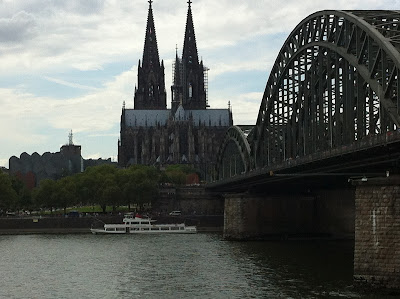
(173, 266)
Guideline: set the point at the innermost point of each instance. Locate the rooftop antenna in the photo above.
(70, 135)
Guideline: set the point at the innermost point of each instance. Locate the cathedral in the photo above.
(187, 133)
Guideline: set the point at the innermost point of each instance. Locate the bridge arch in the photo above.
(335, 81)
(234, 154)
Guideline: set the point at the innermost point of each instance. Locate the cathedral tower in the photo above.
(188, 85)
(150, 94)
(177, 88)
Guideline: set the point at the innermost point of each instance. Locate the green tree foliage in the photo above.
(44, 194)
(176, 174)
(139, 184)
(111, 194)
(104, 185)
(65, 194)
(8, 196)
(24, 198)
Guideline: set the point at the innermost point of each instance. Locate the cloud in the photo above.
(96, 111)
(69, 84)
(30, 122)
(17, 29)
(244, 106)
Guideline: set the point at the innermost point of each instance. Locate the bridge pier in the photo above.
(253, 217)
(377, 233)
(299, 213)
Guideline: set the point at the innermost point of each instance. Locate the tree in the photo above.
(44, 194)
(139, 184)
(64, 194)
(147, 189)
(111, 193)
(24, 195)
(8, 196)
(93, 183)
(87, 185)
(105, 185)
(175, 176)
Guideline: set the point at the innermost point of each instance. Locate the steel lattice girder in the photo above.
(335, 80)
(234, 147)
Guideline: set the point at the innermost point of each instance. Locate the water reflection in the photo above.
(178, 266)
(299, 268)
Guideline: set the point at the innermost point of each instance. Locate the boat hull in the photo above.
(188, 230)
(96, 231)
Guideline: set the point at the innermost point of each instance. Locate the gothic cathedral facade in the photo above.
(187, 133)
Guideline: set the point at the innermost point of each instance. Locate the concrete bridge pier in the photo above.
(377, 233)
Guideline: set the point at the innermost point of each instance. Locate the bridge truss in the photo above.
(334, 83)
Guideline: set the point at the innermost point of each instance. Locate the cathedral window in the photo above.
(190, 90)
(151, 91)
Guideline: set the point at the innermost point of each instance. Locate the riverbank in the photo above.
(82, 225)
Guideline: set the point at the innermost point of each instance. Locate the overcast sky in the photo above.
(69, 65)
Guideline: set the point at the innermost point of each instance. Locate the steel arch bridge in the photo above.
(334, 83)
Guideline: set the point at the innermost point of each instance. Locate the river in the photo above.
(173, 266)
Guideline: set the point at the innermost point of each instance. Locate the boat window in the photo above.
(155, 228)
(174, 228)
(165, 228)
(145, 228)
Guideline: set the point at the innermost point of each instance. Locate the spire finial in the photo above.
(189, 2)
(150, 2)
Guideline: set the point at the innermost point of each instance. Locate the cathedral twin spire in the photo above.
(193, 92)
(150, 93)
(150, 52)
(188, 85)
(189, 45)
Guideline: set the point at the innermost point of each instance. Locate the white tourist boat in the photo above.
(142, 225)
